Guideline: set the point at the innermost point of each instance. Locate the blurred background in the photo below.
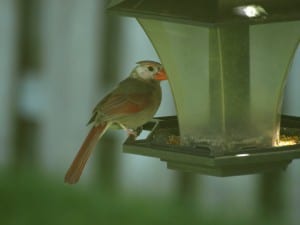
(57, 59)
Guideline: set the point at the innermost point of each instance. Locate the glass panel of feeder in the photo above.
(183, 50)
(227, 81)
(272, 48)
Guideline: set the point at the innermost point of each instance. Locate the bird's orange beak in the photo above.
(161, 75)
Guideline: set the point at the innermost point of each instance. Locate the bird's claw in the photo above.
(131, 133)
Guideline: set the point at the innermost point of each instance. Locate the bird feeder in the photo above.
(227, 62)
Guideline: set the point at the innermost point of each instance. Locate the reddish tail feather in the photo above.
(74, 172)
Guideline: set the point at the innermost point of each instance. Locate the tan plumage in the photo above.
(131, 104)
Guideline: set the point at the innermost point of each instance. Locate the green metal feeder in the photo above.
(227, 63)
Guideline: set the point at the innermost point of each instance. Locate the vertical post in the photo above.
(26, 128)
(9, 23)
(187, 188)
(108, 160)
(271, 195)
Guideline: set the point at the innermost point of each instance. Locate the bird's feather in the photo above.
(74, 172)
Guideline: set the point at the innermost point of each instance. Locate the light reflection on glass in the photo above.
(250, 11)
(285, 142)
(242, 155)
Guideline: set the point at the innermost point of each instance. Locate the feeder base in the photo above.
(200, 160)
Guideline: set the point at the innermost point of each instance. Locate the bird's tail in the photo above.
(74, 172)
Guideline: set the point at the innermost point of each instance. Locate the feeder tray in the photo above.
(163, 142)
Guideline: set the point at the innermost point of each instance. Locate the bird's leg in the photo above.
(131, 133)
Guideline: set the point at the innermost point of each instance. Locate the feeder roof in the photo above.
(210, 12)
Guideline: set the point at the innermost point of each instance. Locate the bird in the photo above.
(131, 104)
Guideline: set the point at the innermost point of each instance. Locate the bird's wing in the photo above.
(116, 105)
(130, 97)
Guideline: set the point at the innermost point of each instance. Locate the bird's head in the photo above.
(149, 70)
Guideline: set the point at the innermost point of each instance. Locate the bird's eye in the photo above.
(150, 68)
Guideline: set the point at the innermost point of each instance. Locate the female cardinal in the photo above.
(131, 104)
